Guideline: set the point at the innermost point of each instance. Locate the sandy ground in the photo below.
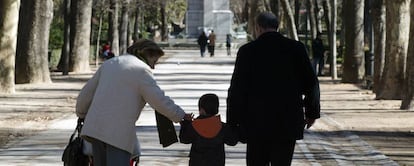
(34, 105)
(378, 122)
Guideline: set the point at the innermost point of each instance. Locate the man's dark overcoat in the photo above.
(272, 87)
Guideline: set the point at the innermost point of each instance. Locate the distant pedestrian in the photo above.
(228, 44)
(211, 43)
(106, 52)
(318, 52)
(207, 134)
(271, 109)
(202, 42)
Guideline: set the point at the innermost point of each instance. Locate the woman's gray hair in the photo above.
(267, 20)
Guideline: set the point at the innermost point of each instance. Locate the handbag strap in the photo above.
(77, 130)
(79, 126)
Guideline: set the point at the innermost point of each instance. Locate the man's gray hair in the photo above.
(267, 20)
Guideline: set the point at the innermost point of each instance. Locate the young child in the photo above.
(207, 134)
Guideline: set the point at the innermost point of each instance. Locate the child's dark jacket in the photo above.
(207, 136)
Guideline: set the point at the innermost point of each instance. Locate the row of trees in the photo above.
(25, 27)
(365, 27)
(377, 27)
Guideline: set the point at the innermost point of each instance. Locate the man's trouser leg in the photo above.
(276, 152)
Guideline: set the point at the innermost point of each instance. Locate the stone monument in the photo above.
(207, 15)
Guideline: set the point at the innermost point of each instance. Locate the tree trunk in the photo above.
(318, 16)
(9, 17)
(136, 23)
(72, 28)
(81, 44)
(408, 94)
(291, 20)
(65, 53)
(274, 7)
(32, 64)
(312, 17)
(98, 40)
(123, 31)
(113, 31)
(164, 28)
(378, 23)
(296, 15)
(353, 65)
(327, 15)
(67, 39)
(245, 12)
(332, 38)
(252, 6)
(398, 19)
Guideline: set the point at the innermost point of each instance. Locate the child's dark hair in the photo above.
(210, 103)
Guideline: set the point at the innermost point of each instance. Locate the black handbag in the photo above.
(73, 154)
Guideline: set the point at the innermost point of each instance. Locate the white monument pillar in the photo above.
(209, 15)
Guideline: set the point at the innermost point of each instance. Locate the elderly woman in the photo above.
(112, 100)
